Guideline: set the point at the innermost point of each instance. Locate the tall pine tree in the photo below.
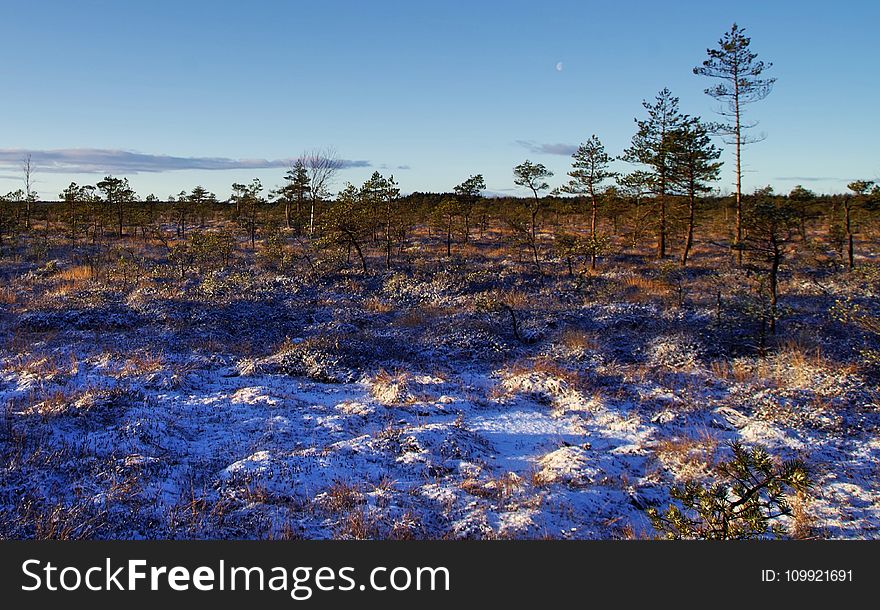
(696, 166)
(742, 83)
(295, 192)
(653, 147)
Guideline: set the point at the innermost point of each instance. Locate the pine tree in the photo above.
(345, 223)
(295, 192)
(745, 501)
(534, 177)
(73, 196)
(117, 192)
(860, 188)
(653, 147)
(695, 167)
(201, 199)
(181, 206)
(247, 198)
(802, 198)
(383, 194)
(468, 193)
(771, 225)
(740, 72)
(589, 170)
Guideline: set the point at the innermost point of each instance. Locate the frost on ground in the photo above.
(397, 407)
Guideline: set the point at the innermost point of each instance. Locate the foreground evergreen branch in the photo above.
(745, 503)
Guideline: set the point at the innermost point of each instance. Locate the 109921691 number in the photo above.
(818, 575)
(807, 575)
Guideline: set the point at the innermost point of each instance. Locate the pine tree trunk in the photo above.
(739, 215)
(774, 285)
(849, 235)
(689, 239)
(661, 235)
(449, 238)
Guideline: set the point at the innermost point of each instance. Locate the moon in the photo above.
(559, 66)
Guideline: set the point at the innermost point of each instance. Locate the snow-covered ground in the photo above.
(400, 406)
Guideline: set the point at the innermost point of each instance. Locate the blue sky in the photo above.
(431, 92)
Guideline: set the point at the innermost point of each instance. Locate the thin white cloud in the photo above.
(548, 149)
(813, 179)
(100, 161)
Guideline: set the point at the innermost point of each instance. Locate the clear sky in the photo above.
(218, 92)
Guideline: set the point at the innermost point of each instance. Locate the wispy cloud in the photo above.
(100, 160)
(811, 179)
(548, 149)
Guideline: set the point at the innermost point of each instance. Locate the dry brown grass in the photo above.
(515, 299)
(50, 404)
(801, 351)
(72, 280)
(688, 456)
(792, 366)
(255, 492)
(56, 521)
(629, 532)
(497, 392)
(342, 497)
(241, 348)
(538, 478)
(721, 369)
(358, 525)
(385, 485)
(190, 511)
(40, 365)
(64, 289)
(641, 289)
(742, 370)
(392, 388)
(546, 367)
(69, 400)
(142, 364)
(125, 487)
(21, 341)
(577, 339)
(377, 305)
(406, 527)
(802, 357)
(476, 487)
(78, 273)
(8, 296)
(352, 286)
(420, 316)
(497, 488)
(803, 523)
(289, 532)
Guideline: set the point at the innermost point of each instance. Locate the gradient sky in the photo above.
(431, 92)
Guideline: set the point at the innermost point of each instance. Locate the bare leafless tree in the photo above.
(30, 195)
(321, 166)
